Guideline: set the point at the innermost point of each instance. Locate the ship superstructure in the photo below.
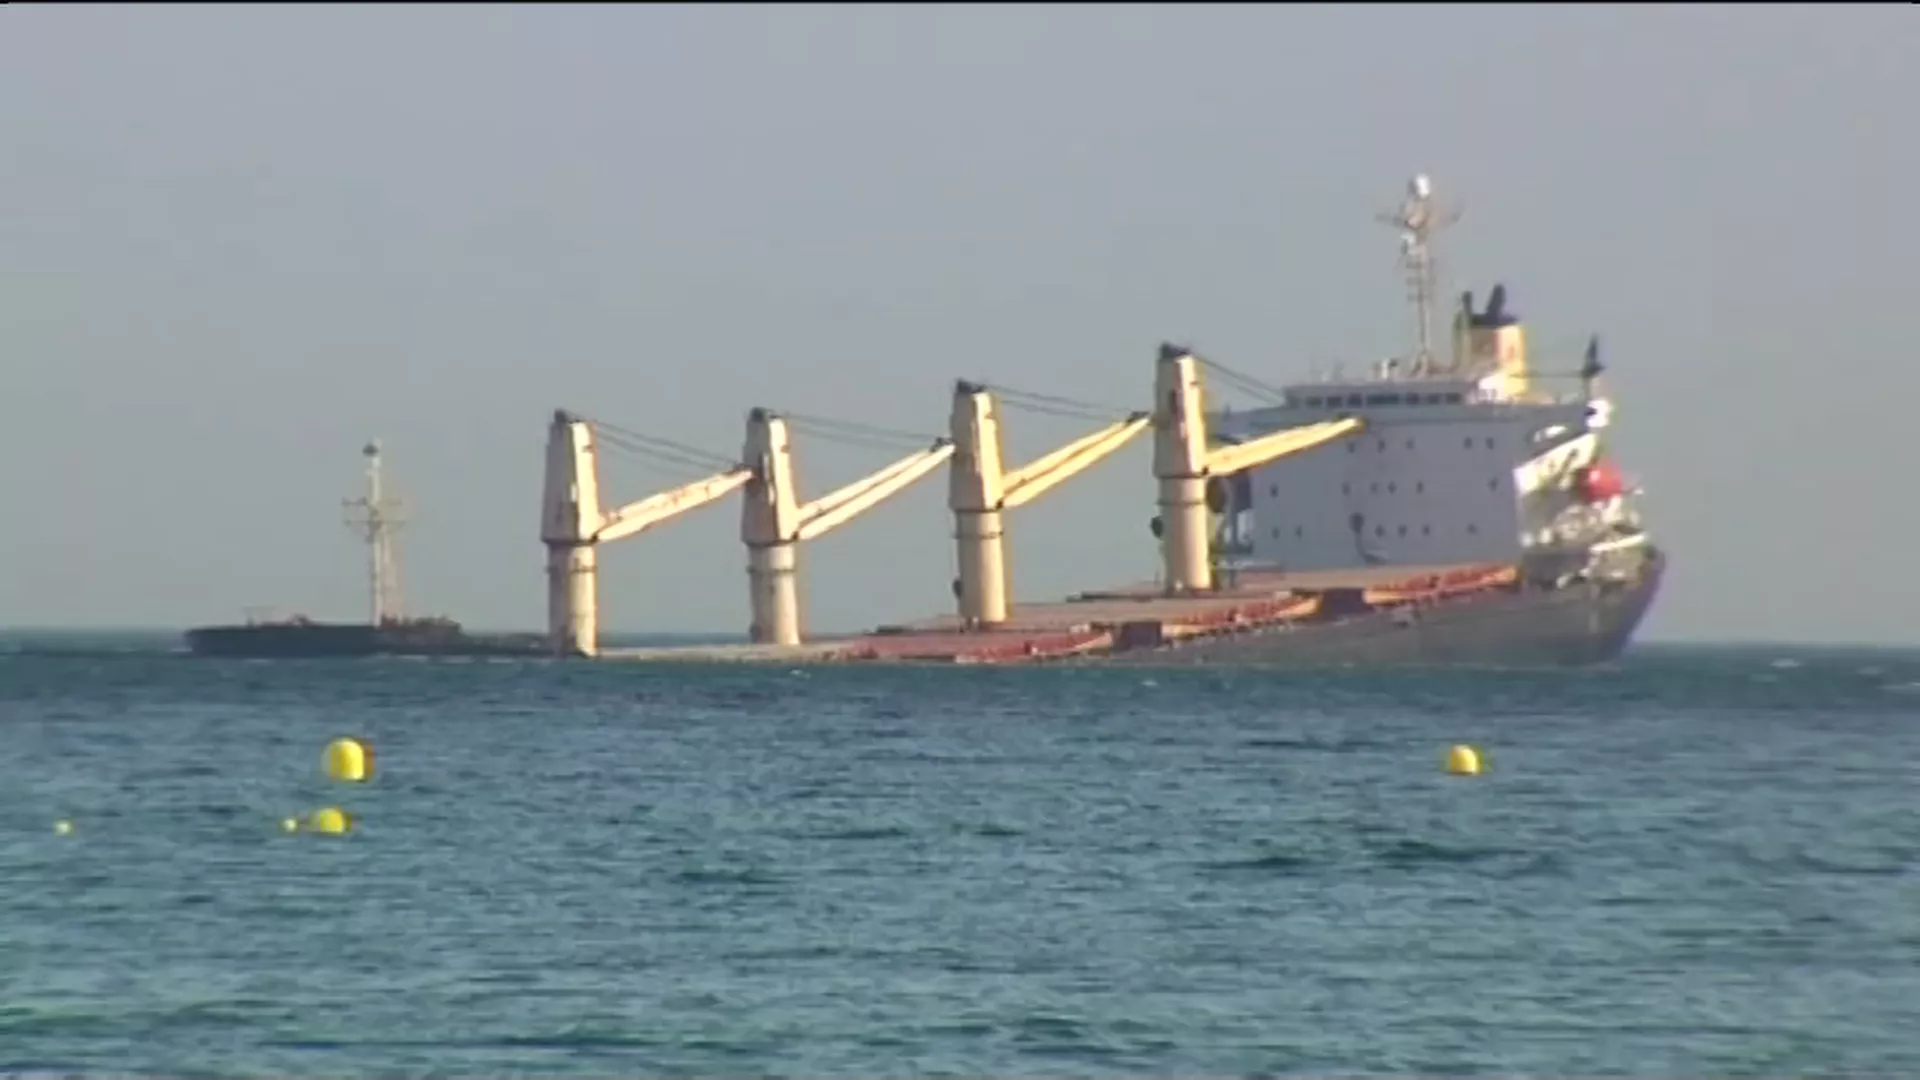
(1466, 457)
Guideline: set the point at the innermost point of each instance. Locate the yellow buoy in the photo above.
(348, 761)
(62, 827)
(1463, 760)
(330, 819)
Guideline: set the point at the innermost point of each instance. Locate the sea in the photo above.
(1698, 861)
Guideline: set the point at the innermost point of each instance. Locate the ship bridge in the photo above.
(1465, 457)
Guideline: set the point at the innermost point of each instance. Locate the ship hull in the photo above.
(1575, 625)
(346, 640)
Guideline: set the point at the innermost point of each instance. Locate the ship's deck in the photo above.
(1133, 616)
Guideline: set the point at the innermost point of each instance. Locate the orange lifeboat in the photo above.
(1601, 481)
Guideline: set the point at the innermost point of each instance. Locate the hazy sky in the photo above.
(239, 242)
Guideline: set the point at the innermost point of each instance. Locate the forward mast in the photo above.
(377, 516)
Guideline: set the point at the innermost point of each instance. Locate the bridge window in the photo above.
(1426, 530)
(1493, 484)
(1392, 487)
(1299, 531)
(1472, 528)
(1354, 399)
(1346, 488)
(1382, 447)
(1455, 399)
(1419, 486)
(1273, 490)
(1379, 530)
(1403, 530)
(1409, 444)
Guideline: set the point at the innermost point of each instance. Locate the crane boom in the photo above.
(573, 526)
(1185, 461)
(641, 515)
(830, 511)
(983, 489)
(1226, 460)
(1025, 484)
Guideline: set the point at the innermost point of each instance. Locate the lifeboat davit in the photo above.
(1601, 481)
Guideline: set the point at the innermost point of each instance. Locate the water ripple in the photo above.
(1694, 863)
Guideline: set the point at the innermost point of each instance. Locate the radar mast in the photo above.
(1420, 220)
(376, 516)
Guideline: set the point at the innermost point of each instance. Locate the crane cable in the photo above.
(661, 450)
(664, 450)
(1242, 382)
(1055, 405)
(854, 433)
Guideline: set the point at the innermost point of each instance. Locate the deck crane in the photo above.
(573, 526)
(1183, 463)
(773, 522)
(982, 490)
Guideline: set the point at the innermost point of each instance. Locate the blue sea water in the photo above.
(1697, 862)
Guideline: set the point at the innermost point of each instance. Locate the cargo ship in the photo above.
(387, 632)
(1451, 506)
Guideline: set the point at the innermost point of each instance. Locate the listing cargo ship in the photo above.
(387, 632)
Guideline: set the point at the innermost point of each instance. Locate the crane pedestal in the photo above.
(573, 616)
(775, 593)
(981, 541)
